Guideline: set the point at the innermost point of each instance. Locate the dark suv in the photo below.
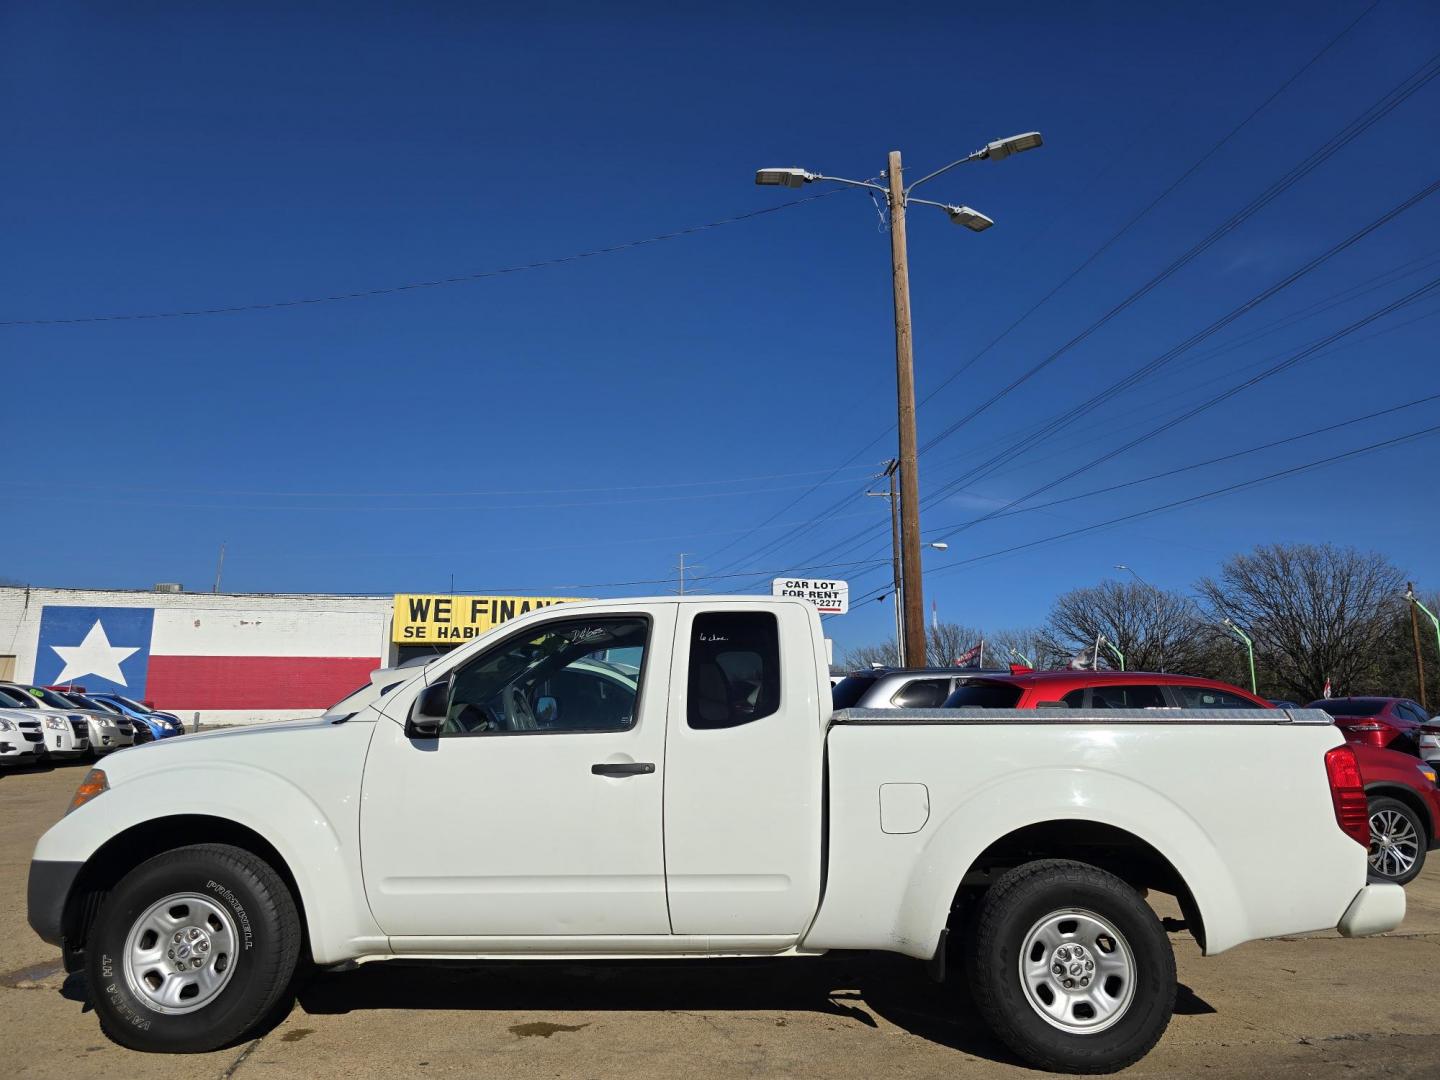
(900, 688)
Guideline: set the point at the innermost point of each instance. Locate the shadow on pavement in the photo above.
(858, 987)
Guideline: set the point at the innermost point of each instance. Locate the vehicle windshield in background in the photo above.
(1354, 706)
(129, 704)
(93, 704)
(16, 699)
(983, 695)
(849, 690)
(51, 698)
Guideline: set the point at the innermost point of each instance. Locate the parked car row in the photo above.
(1387, 734)
(40, 723)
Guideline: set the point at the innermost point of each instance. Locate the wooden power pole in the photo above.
(1419, 659)
(913, 649)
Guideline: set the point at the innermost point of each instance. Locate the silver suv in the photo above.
(900, 688)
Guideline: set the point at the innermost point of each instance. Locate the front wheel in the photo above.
(192, 950)
(1070, 968)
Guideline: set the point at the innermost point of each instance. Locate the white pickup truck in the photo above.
(665, 777)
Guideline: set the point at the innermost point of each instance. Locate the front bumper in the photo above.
(1376, 909)
(45, 896)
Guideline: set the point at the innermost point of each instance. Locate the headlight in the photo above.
(54, 723)
(6, 725)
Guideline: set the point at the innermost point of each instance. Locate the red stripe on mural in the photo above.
(254, 682)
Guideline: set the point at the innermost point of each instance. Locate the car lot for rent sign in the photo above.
(426, 619)
(831, 597)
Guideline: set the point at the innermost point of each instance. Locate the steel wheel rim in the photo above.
(1092, 956)
(1394, 843)
(180, 954)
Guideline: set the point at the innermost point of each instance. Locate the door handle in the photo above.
(622, 768)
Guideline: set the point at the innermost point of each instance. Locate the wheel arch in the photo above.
(132, 846)
(1107, 847)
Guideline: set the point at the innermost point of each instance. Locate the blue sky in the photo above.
(580, 425)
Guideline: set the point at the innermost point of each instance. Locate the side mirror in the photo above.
(547, 711)
(427, 715)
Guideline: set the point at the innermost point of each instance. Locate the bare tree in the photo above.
(861, 657)
(1156, 630)
(1022, 645)
(1315, 613)
(945, 641)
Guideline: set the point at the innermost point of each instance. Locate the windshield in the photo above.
(11, 698)
(94, 704)
(51, 698)
(1352, 706)
(983, 695)
(129, 704)
(849, 690)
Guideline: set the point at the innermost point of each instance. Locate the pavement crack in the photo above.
(240, 1060)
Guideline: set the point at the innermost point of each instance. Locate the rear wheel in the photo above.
(1070, 968)
(1397, 841)
(192, 950)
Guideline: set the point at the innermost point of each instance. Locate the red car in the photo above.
(1404, 807)
(1027, 689)
(1390, 722)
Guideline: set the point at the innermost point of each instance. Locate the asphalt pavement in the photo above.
(1289, 1007)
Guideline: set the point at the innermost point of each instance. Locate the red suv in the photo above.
(1026, 689)
(1392, 722)
(1404, 807)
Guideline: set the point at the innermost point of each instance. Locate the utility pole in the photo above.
(1415, 633)
(898, 197)
(681, 568)
(898, 590)
(219, 567)
(911, 582)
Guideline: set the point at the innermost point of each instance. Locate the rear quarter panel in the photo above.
(1242, 811)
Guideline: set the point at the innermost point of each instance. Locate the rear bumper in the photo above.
(1376, 909)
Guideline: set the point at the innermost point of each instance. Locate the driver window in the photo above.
(577, 675)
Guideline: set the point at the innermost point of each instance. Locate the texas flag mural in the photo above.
(199, 659)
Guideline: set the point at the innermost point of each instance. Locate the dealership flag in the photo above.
(1327, 687)
(969, 657)
(209, 659)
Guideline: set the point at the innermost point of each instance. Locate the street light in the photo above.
(1249, 650)
(897, 196)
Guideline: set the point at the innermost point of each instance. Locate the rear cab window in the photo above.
(734, 669)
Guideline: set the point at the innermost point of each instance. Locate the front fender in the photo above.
(319, 844)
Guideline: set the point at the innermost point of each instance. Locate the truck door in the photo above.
(744, 762)
(537, 810)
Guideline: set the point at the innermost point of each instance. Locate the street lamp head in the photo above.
(1121, 566)
(971, 219)
(1015, 144)
(940, 545)
(791, 178)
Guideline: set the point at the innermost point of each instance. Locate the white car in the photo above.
(666, 777)
(20, 738)
(99, 732)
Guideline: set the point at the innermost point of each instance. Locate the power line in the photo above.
(1150, 367)
(1174, 504)
(1227, 227)
(1395, 305)
(458, 279)
(1399, 94)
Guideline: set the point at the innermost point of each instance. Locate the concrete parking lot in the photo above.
(1284, 1008)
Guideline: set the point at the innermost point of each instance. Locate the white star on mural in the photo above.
(93, 656)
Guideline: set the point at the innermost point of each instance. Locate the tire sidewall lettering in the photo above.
(233, 903)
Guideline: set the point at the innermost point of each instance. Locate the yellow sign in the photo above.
(426, 619)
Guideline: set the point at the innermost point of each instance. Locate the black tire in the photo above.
(1386, 815)
(265, 930)
(1023, 899)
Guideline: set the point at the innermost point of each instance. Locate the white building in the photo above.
(229, 658)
